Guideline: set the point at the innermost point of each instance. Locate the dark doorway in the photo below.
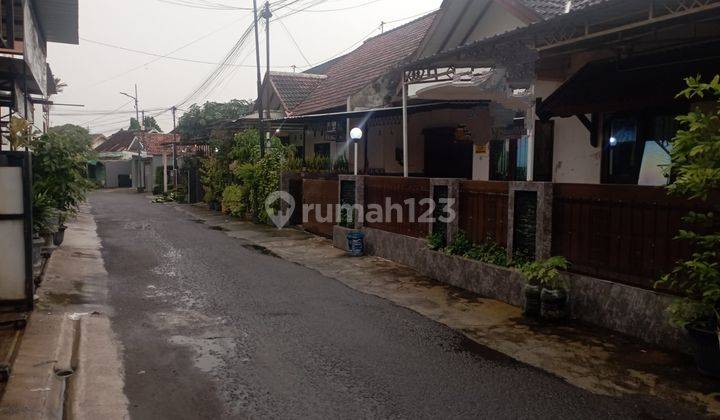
(446, 156)
(543, 159)
(124, 181)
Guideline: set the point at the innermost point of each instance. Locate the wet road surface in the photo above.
(210, 328)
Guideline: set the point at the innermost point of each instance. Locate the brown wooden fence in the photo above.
(398, 190)
(325, 194)
(483, 210)
(620, 233)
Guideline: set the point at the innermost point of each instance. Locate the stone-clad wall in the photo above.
(629, 310)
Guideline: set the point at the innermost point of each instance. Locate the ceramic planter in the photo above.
(707, 350)
(532, 301)
(553, 304)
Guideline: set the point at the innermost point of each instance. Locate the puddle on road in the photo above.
(209, 352)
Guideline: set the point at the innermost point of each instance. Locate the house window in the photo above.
(322, 149)
(509, 159)
(625, 140)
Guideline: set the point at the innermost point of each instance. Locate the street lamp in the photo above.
(355, 135)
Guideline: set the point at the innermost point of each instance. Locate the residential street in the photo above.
(211, 328)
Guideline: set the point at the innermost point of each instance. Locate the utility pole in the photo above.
(267, 14)
(174, 148)
(140, 170)
(259, 104)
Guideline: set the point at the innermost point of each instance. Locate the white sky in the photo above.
(159, 27)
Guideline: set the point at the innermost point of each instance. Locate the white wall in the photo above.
(574, 159)
(384, 135)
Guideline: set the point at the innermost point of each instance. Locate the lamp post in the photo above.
(355, 135)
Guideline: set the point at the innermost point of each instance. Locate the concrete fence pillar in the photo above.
(351, 191)
(442, 189)
(530, 206)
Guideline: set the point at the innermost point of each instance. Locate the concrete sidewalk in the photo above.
(595, 360)
(68, 364)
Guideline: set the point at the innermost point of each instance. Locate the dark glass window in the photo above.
(322, 149)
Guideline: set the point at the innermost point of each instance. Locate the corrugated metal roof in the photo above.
(58, 20)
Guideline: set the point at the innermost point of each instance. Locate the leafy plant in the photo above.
(341, 165)
(695, 173)
(60, 167)
(489, 252)
(45, 216)
(545, 273)
(21, 133)
(232, 201)
(461, 245)
(436, 241)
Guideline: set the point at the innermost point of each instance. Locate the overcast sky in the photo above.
(95, 74)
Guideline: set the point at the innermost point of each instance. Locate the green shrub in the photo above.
(436, 241)
(489, 252)
(461, 245)
(45, 216)
(232, 200)
(695, 174)
(60, 167)
(545, 273)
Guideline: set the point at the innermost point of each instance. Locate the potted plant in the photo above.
(694, 172)
(44, 223)
(546, 294)
(59, 234)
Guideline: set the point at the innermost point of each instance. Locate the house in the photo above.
(26, 79)
(121, 153)
(447, 134)
(565, 110)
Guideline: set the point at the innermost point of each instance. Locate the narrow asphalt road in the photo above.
(210, 328)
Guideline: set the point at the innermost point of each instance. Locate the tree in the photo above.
(695, 171)
(200, 121)
(150, 124)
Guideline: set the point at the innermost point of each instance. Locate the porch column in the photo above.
(165, 177)
(406, 170)
(530, 124)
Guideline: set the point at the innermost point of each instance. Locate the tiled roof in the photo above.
(357, 69)
(118, 142)
(154, 142)
(293, 88)
(123, 140)
(547, 9)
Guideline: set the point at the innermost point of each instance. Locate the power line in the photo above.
(171, 52)
(292, 38)
(189, 60)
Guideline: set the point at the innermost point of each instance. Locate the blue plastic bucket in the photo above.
(356, 244)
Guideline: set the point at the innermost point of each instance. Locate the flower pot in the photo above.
(532, 301)
(707, 350)
(553, 304)
(59, 236)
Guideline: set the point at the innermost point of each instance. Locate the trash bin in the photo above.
(356, 245)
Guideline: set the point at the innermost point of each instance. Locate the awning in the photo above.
(629, 85)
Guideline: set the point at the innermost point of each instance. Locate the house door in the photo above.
(543, 156)
(445, 155)
(124, 181)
